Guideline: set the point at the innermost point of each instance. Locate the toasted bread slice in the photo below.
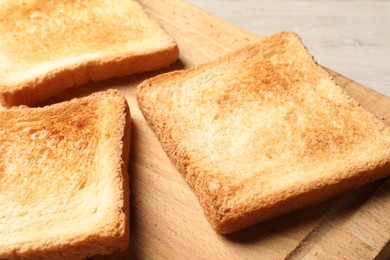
(47, 46)
(64, 189)
(264, 131)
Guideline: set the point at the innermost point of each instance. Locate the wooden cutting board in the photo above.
(167, 221)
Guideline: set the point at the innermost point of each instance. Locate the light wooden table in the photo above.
(350, 37)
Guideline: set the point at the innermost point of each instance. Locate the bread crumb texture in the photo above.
(261, 126)
(60, 195)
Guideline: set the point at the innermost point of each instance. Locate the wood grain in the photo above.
(167, 221)
(350, 228)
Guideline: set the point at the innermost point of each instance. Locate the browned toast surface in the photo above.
(264, 131)
(63, 178)
(47, 46)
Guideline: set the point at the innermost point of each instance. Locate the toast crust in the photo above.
(64, 183)
(71, 43)
(269, 132)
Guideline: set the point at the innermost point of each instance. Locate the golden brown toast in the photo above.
(264, 131)
(64, 190)
(48, 46)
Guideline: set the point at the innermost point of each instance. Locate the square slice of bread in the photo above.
(64, 191)
(48, 46)
(264, 131)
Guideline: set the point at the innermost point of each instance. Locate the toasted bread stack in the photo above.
(258, 133)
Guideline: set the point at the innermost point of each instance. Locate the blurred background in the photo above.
(351, 37)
